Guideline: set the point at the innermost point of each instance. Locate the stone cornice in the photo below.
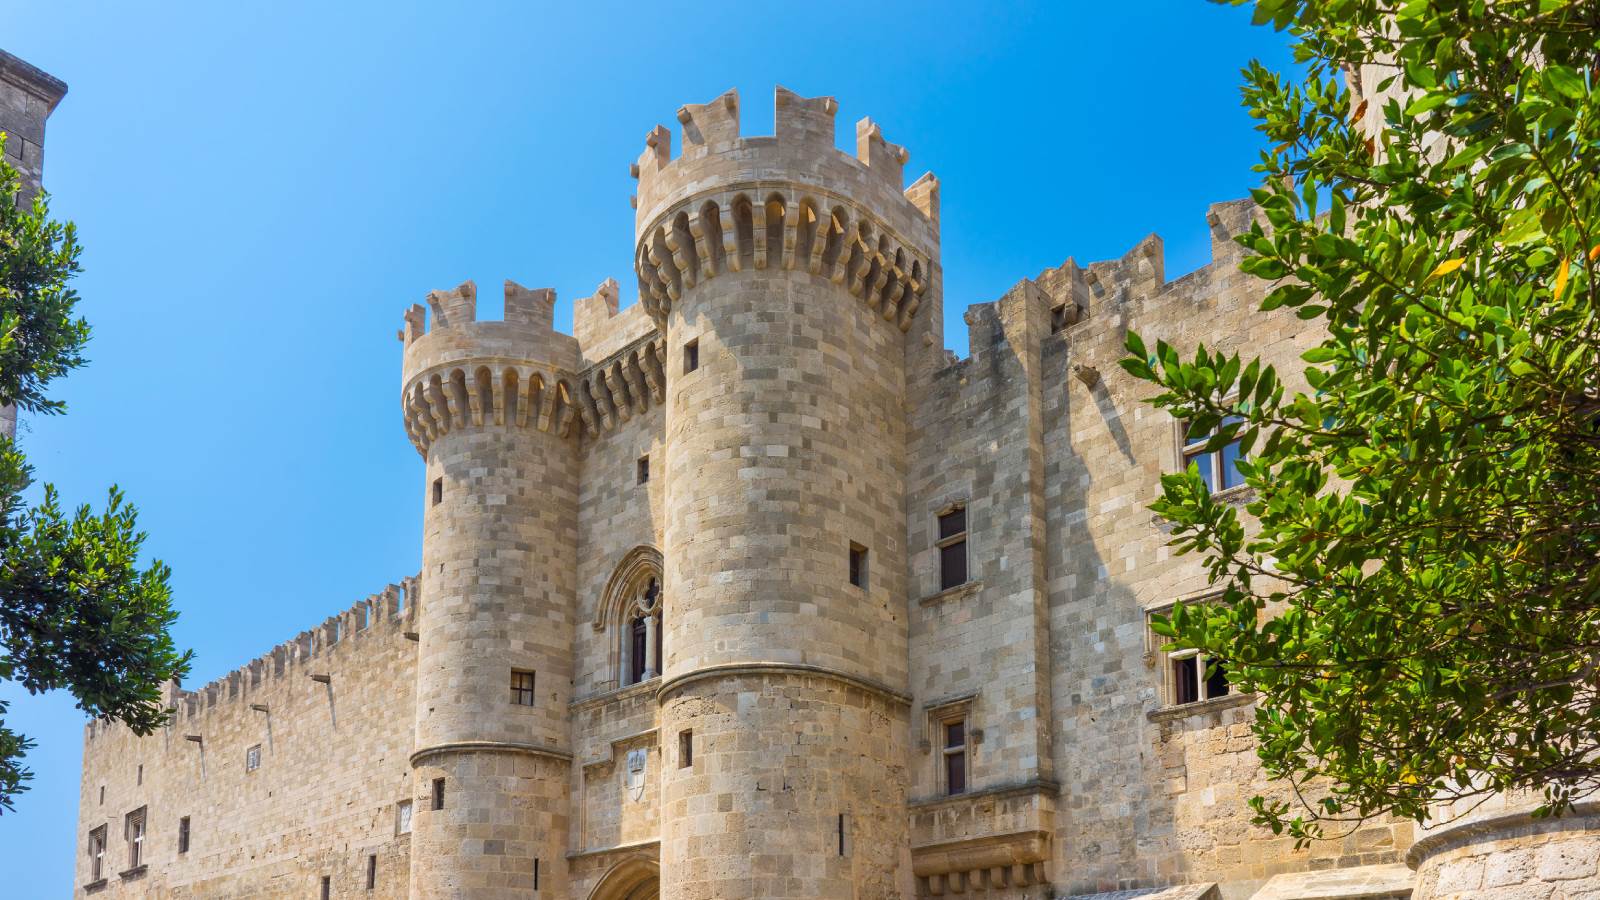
(730, 670)
(488, 747)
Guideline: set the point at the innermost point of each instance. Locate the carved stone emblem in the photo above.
(635, 776)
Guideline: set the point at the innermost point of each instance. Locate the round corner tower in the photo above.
(787, 277)
(486, 407)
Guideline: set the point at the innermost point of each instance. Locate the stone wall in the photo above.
(333, 769)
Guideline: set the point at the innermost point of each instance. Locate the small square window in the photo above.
(438, 491)
(521, 688)
(183, 835)
(685, 748)
(252, 758)
(402, 817)
(691, 356)
(438, 793)
(858, 565)
(1219, 468)
(642, 472)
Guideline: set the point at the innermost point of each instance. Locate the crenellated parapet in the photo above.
(789, 201)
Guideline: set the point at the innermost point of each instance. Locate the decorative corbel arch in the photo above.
(642, 561)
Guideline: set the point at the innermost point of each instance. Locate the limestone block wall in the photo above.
(333, 769)
(1496, 850)
(1149, 798)
(27, 98)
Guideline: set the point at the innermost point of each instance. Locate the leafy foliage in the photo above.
(76, 611)
(1417, 598)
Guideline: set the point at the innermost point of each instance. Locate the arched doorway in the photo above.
(631, 879)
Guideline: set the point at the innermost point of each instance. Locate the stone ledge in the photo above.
(489, 747)
(615, 694)
(1205, 891)
(1015, 789)
(775, 668)
(1585, 815)
(135, 872)
(93, 886)
(959, 592)
(616, 848)
(1360, 883)
(1172, 713)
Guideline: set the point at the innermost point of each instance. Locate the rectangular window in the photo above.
(183, 835)
(102, 795)
(1219, 469)
(642, 472)
(133, 833)
(97, 853)
(138, 779)
(327, 887)
(955, 757)
(858, 565)
(536, 874)
(438, 793)
(691, 356)
(521, 688)
(372, 871)
(685, 748)
(952, 548)
(252, 758)
(438, 491)
(1192, 676)
(402, 817)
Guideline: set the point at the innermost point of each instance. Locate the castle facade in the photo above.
(753, 590)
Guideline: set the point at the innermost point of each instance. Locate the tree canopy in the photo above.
(77, 612)
(1415, 592)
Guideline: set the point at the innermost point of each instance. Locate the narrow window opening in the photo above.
(955, 757)
(102, 795)
(438, 491)
(521, 688)
(1185, 679)
(691, 356)
(952, 545)
(183, 835)
(685, 748)
(327, 886)
(372, 871)
(133, 832)
(139, 778)
(402, 817)
(642, 473)
(438, 793)
(536, 874)
(1216, 679)
(252, 758)
(841, 833)
(858, 565)
(97, 853)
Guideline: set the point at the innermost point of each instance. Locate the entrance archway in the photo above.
(631, 879)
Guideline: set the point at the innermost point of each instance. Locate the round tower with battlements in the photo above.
(485, 405)
(788, 278)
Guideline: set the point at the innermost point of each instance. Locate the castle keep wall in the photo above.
(333, 770)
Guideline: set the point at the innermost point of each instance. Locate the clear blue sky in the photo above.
(261, 189)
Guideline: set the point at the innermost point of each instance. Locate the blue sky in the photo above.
(261, 189)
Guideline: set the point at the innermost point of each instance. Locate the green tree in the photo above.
(76, 610)
(1418, 606)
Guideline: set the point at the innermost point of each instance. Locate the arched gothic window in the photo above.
(641, 653)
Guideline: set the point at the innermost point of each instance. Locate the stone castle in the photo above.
(753, 590)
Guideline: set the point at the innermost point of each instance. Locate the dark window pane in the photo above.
(955, 734)
(1185, 680)
(1230, 466)
(952, 565)
(955, 773)
(1216, 680)
(952, 523)
(636, 654)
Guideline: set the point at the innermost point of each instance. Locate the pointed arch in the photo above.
(635, 878)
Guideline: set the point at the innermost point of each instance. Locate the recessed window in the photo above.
(536, 874)
(641, 647)
(1219, 469)
(183, 835)
(691, 356)
(521, 688)
(858, 565)
(438, 793)
(372, 871)
(133, 833)
(252, 758)
(402, 817)
(642, 470)
(97, 853)
(954, 751)
(327, 887)
(685, 748)
(1061, 315)
(952, 545)
(1191, 676)
(138, 779)
(102, 795)
(438, 491)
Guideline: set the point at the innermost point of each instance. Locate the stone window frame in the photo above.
(946, 712)
(624, 601)
(97, 852)
(252, 758)
(1183, 450)
(135, 827)
(1164, 660)
(964, 537)
(523, 685)
(859, 568)
(402, 817)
